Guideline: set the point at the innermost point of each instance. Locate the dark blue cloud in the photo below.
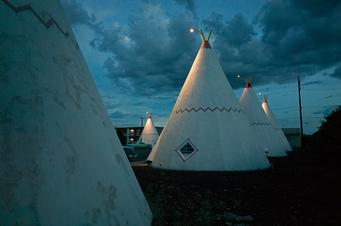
(77, 15)
(302, 32)
(117, 115)
(189, 5)
(296, 38)
(235, 32)
(311, 83)
(326, 110)
(337, 73)
(153, 52)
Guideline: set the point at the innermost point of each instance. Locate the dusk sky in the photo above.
(140, 52)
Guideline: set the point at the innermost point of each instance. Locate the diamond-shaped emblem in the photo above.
(186, 150)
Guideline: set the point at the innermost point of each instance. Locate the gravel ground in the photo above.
(302, 189)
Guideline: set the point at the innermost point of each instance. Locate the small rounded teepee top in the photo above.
(248, 84)
(265, 99)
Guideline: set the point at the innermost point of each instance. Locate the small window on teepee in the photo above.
(186, 150)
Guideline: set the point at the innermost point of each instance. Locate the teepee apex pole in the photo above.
(202, 35)
(209, 35)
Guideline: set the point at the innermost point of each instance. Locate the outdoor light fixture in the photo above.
(192, 30)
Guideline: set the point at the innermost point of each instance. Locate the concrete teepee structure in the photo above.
(149, 133)
(61, 162)
(260, 123)
(207, 129)
(276, 127)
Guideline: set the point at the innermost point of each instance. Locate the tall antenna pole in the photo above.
(300, 108)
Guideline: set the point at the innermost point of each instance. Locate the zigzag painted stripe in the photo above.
(260, 124)
(208, 109)
(47, 24)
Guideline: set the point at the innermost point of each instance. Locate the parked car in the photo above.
(130, 152)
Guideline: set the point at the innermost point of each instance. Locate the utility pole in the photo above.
(300, 108)
(142, 121)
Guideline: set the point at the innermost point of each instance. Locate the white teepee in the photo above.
(207, 130)
(284, 142)
(149, 133)
(260, 123)
(61, 162)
